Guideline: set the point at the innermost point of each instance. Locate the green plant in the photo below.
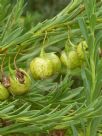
(54, 105)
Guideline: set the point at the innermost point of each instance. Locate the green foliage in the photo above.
(54, 104)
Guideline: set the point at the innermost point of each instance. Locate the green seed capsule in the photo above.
(71, 59)
(64, 57)
(4, 94)
(81, 49)
(74, 60)
(56, 63)
(41, 67)
(19, 82)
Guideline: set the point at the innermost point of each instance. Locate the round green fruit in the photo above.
(41, 68)
(56, 63)
(20, 82)
(81, 49)
(64, 58)
(4, 94)
(73, 60)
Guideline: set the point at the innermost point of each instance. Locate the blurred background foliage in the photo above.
(39, 10)
(46, 8)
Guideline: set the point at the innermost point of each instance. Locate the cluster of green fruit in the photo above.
(48, 64)
(75, 57)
